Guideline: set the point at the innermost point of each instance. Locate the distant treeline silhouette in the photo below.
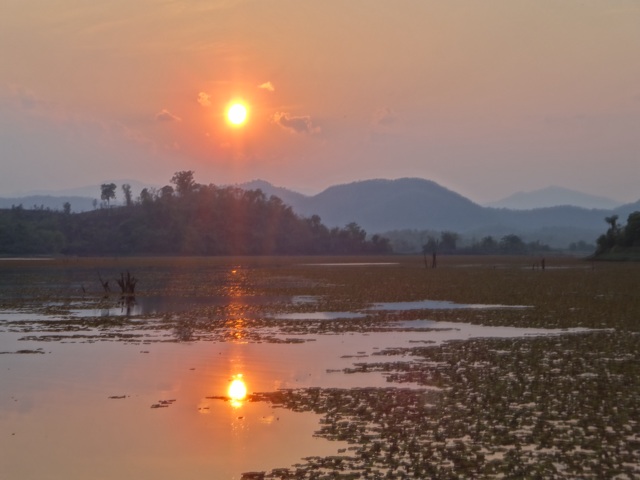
(620, 240)
(186, 218)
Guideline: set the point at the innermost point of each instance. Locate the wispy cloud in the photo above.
(165, 115)
(66, 138)
(204, 99)
(267, 86)
(383, 116)
(23, 98)
(295, 124)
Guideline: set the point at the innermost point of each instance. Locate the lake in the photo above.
(96, 385)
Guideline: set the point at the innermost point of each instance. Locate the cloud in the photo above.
(384, 116)
(267, 86)
(295, 124)
(204, 99)
(165, 115)
(22, 98)
(38, 135)
(27, 98)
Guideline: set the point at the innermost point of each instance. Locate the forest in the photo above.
(181, 218)
(620, 241)
(187, 218)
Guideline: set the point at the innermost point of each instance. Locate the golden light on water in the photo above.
(237, 390)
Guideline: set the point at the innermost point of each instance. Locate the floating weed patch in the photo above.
(25, 351)
(557, 406)
(163, 403)
(512, 408)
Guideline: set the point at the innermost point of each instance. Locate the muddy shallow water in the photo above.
(86, 407)
(102, 391)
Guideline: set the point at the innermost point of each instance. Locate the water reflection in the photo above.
(127, 304)
(318, 315)
(163, 304)
(235, 311)
(236, 323)
(237, 391)
(440, 305)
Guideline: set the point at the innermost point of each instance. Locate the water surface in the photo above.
(109, 389)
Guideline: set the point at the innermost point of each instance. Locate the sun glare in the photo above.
(237, 390)
(237, 114)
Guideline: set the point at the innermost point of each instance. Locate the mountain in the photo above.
(91, 191)
(289, 197)
(381, 206)
(414, 203)
(554, 196)
(81, 199)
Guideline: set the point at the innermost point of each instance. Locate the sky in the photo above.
(486, 98)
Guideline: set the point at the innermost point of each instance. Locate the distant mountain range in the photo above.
(81, 199)
(552, 197)
(381, 206)
(51, 202)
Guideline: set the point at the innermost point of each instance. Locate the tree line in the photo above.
(181, 218)
(511, 244)
(620, 239)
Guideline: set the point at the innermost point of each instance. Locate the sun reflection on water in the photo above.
(236, 310)
(237, 390)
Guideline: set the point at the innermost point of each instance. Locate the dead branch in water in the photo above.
(104, 283)
(127, 283)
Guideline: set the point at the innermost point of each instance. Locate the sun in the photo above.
(237, 114)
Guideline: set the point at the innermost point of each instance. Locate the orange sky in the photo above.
(486, 98)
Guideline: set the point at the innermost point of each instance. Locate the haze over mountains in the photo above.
(552, 197)
(380, 206)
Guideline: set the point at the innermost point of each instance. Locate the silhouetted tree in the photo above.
(448, 242)
(613, 222)
(184, 182)
(619, 238)
(512, 244)
(107, 192)
(611, 238)
(488, 244)
(128, 199)
(146, 197)
(431, 246)
(631, 234)
(166, 192)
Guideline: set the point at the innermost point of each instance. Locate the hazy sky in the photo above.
(486, 98)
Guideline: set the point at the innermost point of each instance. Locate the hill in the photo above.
(554, 196)
(381, 206)
(81, 199)
(193, 220)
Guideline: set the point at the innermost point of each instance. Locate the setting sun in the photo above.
(237, 114)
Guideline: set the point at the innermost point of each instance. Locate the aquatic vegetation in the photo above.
(547, 406)
(504, 408)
